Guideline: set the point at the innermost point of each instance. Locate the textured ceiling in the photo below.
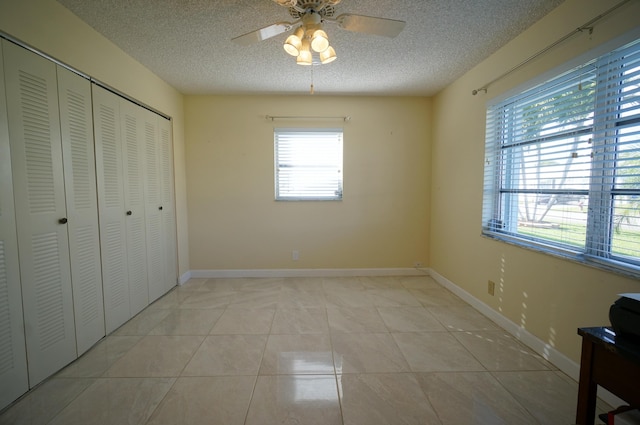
(188, 43)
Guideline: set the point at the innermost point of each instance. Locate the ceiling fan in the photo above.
(310, 37)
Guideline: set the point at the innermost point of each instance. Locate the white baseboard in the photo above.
(184, 278)
(545, 350)
(549, 353)
(208, 274)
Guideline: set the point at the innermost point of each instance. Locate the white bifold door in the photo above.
(153, 205)
(159, 210)
(112, 210)
(50, 133)
(13, 358)
(135, 203)
(76, 122)
(167, 204)
(131, 116)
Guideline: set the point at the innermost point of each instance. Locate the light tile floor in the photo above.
(361, 351)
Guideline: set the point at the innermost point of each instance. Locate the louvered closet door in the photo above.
(13, 357)
(76, 124)
(111, 207)
(36, 159)
(132, 120)
(153, 207)
(168, 204)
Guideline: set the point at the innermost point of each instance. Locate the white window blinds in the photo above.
(562, 166)
(308, 164)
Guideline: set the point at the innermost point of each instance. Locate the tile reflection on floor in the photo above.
(347, 350)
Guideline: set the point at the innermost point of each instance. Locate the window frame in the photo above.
(496, 199)
(334, 138)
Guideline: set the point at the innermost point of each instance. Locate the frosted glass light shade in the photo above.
(304, 58)
(320, 41)
(328, 56)
(293, 45)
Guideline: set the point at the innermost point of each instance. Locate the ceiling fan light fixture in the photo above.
(309, 37)
(328, 55)
(319, 41)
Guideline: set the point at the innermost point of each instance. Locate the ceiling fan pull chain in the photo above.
(311, 91)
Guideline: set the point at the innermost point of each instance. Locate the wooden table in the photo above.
(613, 363)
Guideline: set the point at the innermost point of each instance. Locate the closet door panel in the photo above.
(111, 207)
(133, 155)
(76, 123)
(168, 204)
(36, 159)
(153, 207)
(13, 357)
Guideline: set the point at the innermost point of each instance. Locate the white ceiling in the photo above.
(188, 43)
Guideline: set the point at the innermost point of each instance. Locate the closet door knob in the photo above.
(63, 220)
(160, 208)
(129, 212)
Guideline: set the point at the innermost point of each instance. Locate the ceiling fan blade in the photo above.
(370, 25)
(262, 33)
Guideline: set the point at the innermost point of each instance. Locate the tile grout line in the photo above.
(333, 360)
(255, 383)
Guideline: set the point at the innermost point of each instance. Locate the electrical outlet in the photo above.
(295, 255)
(491, 287)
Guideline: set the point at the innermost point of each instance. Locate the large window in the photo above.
(562, 165)
(308, 164)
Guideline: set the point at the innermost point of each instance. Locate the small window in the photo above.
(308, 164)
(562, 164)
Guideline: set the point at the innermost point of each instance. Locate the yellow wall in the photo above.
(52, 29)
(234, 222)
(547, 296)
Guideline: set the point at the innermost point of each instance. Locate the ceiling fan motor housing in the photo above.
(302, 7)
